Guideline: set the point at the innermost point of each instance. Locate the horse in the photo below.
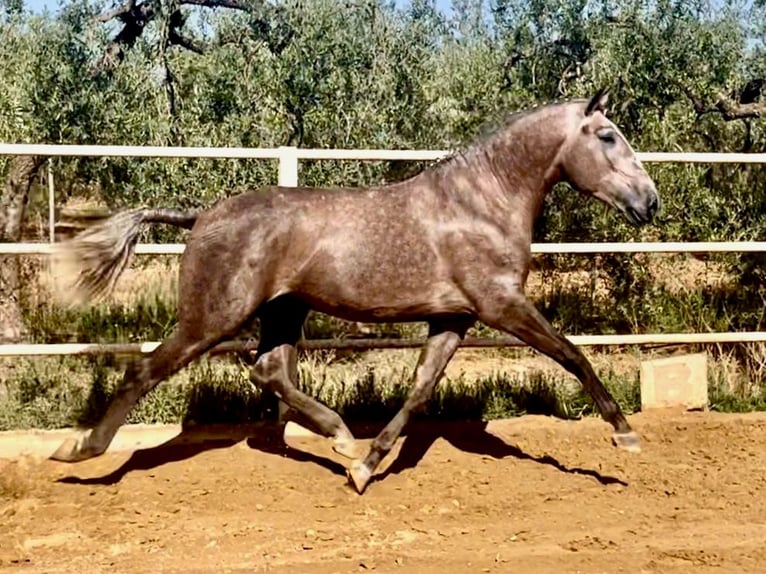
(449, 246)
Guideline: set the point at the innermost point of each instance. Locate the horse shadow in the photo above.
(473, 437)
(470, 436)
(192, 441)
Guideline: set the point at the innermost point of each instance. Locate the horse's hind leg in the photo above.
(172, 355)
(276, 368)
(443, 341)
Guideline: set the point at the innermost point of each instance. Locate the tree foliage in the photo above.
(685, 75)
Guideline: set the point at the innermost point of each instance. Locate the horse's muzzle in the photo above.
(643, 208)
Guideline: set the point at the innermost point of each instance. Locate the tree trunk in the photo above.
(13, 203)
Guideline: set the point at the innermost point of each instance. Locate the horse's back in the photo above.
(362, 254)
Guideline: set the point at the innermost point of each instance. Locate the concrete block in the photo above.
(679, 381)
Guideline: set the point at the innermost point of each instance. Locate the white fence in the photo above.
(289, 161)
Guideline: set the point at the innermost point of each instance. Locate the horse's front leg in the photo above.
(504, 306)
(443, 341)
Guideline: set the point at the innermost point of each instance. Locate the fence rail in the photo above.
(289, 162)
(537, 248)
(659, 339)
(191, 152)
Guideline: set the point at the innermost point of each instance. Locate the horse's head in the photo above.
(597, 159)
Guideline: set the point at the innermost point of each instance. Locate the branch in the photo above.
(136, 14)
(232, 4)
(730, 109)
(178, 39)
(697, 103)
(134, 18)
(117, 12)
(572, 72)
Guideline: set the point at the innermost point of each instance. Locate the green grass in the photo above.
(621, 297)
(62, 392)
(58, 392)
(54, 393)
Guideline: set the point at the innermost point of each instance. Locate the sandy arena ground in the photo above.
(529, 495)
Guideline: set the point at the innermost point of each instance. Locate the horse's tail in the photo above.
(88, 266)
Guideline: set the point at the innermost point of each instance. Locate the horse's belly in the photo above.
(390, 305)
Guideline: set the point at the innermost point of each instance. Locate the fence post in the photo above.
(288, 177)
(288, 166)
(51, 203)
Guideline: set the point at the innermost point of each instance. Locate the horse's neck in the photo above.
(528, 160)
(506, 185)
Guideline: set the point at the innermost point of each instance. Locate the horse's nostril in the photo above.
(654, 203)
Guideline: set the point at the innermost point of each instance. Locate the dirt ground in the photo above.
(528, 495)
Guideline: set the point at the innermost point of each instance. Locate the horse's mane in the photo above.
(489, 131)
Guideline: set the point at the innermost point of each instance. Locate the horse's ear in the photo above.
(598, 102)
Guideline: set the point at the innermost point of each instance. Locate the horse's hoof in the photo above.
(73, 450)
(628, 441)
(345, 446)
(359, 475)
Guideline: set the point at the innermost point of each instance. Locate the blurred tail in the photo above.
(88, 266)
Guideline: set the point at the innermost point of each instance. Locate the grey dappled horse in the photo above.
(449, 246)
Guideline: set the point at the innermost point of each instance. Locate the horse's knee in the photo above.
(258, 376)
(262, 373)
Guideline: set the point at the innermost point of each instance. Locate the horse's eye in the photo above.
(606, 137)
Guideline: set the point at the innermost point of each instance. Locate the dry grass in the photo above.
(742, 370)
(677, 273)
(680, 273)
(14, 479)
(56, 392)
(158, 276)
